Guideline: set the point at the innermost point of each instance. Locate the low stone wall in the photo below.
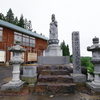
(51, 60)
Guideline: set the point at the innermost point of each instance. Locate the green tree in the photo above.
(65, 49)
(85, 61)
(71, 58)
(2, 16)
(10, 16)
(67, 52)
(21, 22)
(34, 31)
(15, 21)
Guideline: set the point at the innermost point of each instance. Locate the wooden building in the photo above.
(33, 42)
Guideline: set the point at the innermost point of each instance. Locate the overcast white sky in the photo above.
(72, 15)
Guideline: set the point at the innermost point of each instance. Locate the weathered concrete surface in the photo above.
(53, 60)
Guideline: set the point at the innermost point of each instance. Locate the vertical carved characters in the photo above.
(76, 52)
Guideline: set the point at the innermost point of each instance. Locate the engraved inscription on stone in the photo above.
(76, 53)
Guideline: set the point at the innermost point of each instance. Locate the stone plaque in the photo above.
(29, 71)
(76, 53)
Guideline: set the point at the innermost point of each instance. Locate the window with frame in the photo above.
(1, 33)
(25, 40)
(17, 37)
(32, 42)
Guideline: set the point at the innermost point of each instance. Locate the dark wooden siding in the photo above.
(8, 40)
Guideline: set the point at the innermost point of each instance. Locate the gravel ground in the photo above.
(4, 73)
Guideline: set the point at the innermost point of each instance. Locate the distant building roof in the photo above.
(22, 30)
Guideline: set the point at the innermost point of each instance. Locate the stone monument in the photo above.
(95, 48)
(77, 76)
(53, 31)
(53, 53)
(16, 61)
(29, 74)
(53, 69)
(53, 48)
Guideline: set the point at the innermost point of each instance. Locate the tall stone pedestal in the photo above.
(53, 50)
(53, 55)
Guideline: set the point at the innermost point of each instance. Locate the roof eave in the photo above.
(22, 30)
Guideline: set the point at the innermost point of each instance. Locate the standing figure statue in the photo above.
(53, 28)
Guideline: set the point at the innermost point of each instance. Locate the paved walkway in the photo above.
(5, 76)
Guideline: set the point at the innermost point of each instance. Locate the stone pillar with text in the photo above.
(76, 75)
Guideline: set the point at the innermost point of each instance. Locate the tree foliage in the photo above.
(14, 20)
(67, 52)
(27, 25)
(34, 31)
(65, 49)
(2, 17)
(21, 21)
(10, 16)
(85, 61)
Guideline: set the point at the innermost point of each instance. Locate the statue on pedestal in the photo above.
(53, 28)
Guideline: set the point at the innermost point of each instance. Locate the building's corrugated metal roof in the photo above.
(22, 30)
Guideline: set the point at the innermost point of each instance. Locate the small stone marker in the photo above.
(29, 74)
(29, 71)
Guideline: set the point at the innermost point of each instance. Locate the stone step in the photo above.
(55, 72)
(57, 67)
(55, 78)
(54, 67)
(55, 88)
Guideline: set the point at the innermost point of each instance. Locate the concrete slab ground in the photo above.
(81, 93)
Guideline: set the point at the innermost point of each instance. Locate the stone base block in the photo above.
(53, 50)
(30, 80)
(15, 86)
(78, 78)
(59, 60)
(93, 87)
(29, 71)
